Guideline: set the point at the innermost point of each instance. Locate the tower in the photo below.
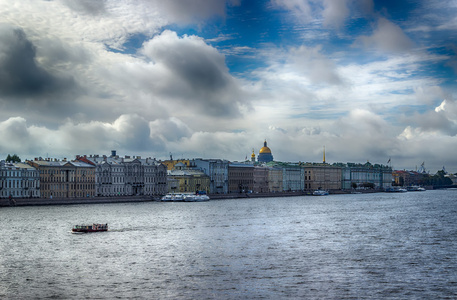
(265, 154)
(324, 155)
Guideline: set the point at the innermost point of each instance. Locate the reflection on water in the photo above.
(340, 247)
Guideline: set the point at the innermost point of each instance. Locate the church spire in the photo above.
(324, 154)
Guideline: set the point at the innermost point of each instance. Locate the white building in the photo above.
(127, 176)
(19, 180)
(360, 175)
(217, 170)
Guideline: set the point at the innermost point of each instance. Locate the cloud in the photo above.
(86, 6)
(300, 8)
(20, 74)
(128, 133)
(171, 129)
(314, 65)
(335, 13)
(194, 11)
(387, 36)
(442, 120)
(198, 73)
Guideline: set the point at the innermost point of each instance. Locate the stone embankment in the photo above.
(70, 201)
(134, 199)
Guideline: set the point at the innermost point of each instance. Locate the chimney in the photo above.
(113, 153)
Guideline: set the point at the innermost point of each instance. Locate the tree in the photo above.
(438, 179)
(13, 158)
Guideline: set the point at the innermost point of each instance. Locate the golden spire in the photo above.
(324, 154)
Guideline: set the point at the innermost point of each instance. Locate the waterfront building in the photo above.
(217, 170)
(170, 163)
(275, 179)
(127, 176)
(322, 176)
(19, 180)
(185, 180)
(265, 154)
(293, 176)
(407, 178)
(155, 177)
(65, 179)
(260, 179)
(241, 177)
(109, 174)
(366, 176)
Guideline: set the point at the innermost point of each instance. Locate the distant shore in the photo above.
(137, 199)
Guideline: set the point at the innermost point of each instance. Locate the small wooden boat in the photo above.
(90, 228)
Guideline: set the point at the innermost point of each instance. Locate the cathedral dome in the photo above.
(265, 149)
(265, 154)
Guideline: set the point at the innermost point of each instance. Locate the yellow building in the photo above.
(275, 179)
(184, 180)
(322, 176)
(171, 163)
(65, 179)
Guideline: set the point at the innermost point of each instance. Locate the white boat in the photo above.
(173, 198)
(415, 188)
(396, 189)
(196, 198)
(320, 193)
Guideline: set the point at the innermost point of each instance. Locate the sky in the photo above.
(368, 80)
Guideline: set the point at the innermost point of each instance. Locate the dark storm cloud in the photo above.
(90, 7)
(20, 75)
(199, 72)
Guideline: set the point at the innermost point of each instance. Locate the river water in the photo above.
(332, 247)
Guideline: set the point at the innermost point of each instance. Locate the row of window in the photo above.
(20, 193)
(20, 173)
(19, 183)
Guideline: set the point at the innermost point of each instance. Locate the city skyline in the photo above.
(369, 80)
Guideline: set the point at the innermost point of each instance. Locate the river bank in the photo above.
(134, 199)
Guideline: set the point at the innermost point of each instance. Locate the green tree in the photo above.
(13, 158)
(438, 179)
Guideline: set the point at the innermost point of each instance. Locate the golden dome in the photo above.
(264, 149)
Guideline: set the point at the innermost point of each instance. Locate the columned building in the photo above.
(322, 176)
(366, 175)
(241, 177)
(19, 180)
(65, 179)
(260, 179)
(126, 176)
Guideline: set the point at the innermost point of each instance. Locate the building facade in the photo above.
(260, 179)
(19, 180)
(241, 177)
(127, 176)
(322, 176)
(65, 179)
(185, 180)
(275, 179)
(217, 170)
(366, 175)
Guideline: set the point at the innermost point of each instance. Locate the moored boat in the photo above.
(173, 198)
(196, 198)
(320, 193)
(90, 228)
(395, 189)
(415, 188)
